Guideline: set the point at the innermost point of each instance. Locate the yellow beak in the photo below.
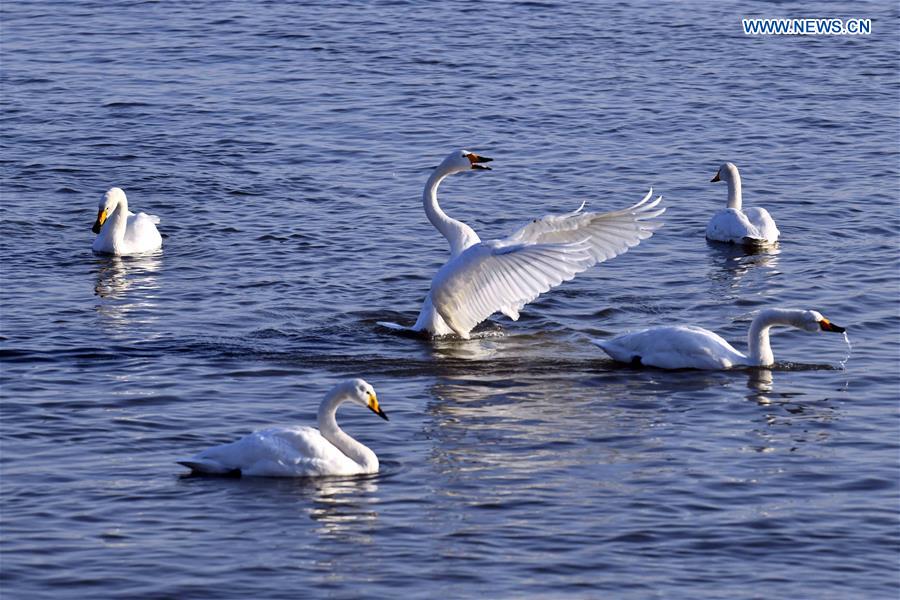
(373, 406)
(101, 219)
(826, 325)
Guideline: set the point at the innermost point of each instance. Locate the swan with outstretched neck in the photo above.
(120, 231)
(298, 451)
(689, 347)
(482, 278)
(737, 225)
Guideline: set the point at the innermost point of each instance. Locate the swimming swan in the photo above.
(482, 278)
(120, 230)
(689, 347)
(750, 227)
(295, 451)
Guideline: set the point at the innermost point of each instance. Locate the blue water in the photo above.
(284, 148)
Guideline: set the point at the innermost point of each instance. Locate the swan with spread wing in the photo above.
(482, 278)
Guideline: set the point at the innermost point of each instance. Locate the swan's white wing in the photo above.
(752, 226)
(729, 225)
(764, 223)
(676, 347)
(141, 234)
(607, 234)
(142, 219)
(275, 452)
(498, 276)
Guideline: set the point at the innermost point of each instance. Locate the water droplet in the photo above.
(849, 351)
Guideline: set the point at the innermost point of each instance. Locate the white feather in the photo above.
(482, 278)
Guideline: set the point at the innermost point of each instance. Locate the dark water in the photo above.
(284, 148)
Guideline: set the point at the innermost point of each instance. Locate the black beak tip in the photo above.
(715, 179)
(382, 415)
(96, 227)
(832, 327)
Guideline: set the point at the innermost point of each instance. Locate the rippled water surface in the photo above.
(284, 148)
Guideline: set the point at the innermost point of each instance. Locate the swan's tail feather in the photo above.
(754, 241)
(599, 343)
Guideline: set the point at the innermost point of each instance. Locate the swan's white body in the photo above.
(298, 451)
(120, 231)
(482, 278)
(688, 347)
(734, 225)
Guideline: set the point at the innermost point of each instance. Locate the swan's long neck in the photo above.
(758, 337)
(460, 235)
(329, 429)
(118, 220)
(734, 190)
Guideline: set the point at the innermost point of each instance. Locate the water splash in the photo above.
(849, 351)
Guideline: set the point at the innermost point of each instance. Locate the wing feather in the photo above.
(506, 275)
(609, 234)
(490, 277)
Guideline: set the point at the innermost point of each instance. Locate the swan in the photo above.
(120, 231)
(689, 347)
(295, 451)
(482, 278)
(749, 227)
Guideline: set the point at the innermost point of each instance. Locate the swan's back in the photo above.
(751, 226)
(276, 452)
(764, 223)
(141, 234)
(674, 347)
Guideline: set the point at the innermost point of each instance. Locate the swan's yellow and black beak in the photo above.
(477, 160)
(101, 219)
(827, 325)
(373, 406)
(715, 179)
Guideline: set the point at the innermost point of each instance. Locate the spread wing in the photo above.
(492, 276)
(505, 275)
(607, 234)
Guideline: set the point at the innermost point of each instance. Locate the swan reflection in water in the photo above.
(344, 507)
(126, 287)
(515, 423)
(341, 508)
(792, 419)
(729, 265)
(509, 425)
(492, 344)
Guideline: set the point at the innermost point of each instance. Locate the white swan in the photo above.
(120, 230)
(689, 347)
(750, 227)
(482, 278)
(298, 451)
